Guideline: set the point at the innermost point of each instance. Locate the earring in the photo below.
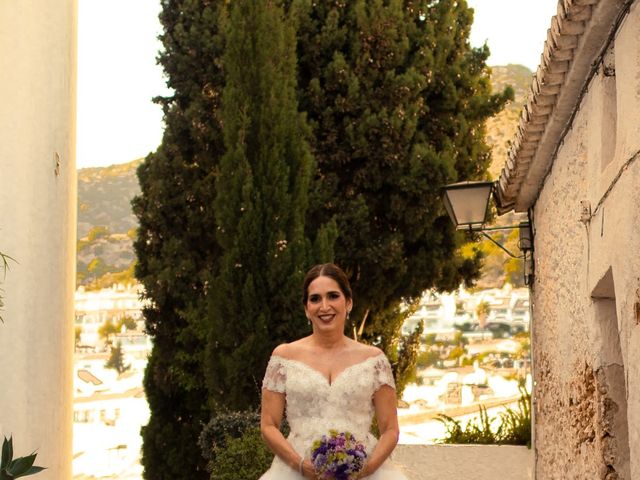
(348, 312)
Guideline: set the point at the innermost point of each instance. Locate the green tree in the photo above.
(175, 243)
(407, 358)
(428, 358)
(261, 203)
(77, 334)
(127, 322)
(397, 100)
(456, 353)
(116, 359)
(482, 312)
(107, 330)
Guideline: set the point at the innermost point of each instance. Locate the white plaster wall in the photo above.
(37, 227)
(571, 257)
(627, 58)
(455, 462)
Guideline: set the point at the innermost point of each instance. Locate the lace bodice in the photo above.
(313, 405)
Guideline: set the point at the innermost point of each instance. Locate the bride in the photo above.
(328, 381)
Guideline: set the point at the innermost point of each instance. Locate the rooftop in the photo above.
(576, 47)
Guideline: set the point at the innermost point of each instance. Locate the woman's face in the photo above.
(326, 306)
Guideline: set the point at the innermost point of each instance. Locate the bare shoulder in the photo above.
(280, 350)
(289, 350)
(367, 351)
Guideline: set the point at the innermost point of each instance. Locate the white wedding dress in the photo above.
(314, 406)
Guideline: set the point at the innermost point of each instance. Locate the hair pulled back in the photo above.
(326, 270)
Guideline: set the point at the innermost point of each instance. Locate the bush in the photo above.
(517, 423)
(515, 427)
(246, 457)
(223, 428)
(477, 431)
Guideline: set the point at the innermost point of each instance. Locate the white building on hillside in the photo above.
(442, 312)
(94, 308)
(108, 411)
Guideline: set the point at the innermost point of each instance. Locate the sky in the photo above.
(117, 73)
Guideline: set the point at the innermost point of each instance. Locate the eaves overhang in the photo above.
(576, 41)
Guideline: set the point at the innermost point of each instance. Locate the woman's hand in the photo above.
(307, 470)
(364, 473)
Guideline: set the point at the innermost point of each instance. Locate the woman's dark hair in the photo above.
(326, 270)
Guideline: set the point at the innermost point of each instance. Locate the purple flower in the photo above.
(338, 456)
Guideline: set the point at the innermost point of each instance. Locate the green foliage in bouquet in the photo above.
(246, 457)
(11, 468)
(514, 428)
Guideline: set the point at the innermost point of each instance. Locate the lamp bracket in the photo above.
(496, 243)
(487, 229)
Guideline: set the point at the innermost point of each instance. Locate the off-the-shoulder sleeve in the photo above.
(275, 378)
(383, 375)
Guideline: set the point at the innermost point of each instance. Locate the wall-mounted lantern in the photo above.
(467, 204)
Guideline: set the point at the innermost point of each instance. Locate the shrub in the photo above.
(246, 457)
(517, 423)
(477, 430)
(220, 428)
(514, 429)
(223, 428)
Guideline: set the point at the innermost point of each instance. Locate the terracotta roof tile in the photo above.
(573, 43)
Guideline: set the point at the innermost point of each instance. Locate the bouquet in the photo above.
(338, 456)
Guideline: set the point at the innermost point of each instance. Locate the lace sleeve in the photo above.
(383, 374)
(275, 378)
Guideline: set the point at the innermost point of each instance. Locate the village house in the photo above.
(573, 167)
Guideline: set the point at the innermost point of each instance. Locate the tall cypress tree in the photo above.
(397, 101)
(176, 244)
(260, 206)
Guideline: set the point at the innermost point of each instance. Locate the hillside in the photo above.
(104, 197)
(502, 128)
(106, 224)
(499, 267)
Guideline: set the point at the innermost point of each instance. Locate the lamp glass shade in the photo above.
(467, 203)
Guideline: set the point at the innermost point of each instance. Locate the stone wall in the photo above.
(456, 462)
(586, 294)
